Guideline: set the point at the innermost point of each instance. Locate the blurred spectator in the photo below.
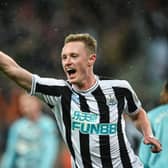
(158, 58)
(157, 45)
(33, 141)
(159, 119)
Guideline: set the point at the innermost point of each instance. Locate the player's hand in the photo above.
(155, 144)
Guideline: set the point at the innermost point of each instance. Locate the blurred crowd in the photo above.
(29, 134)
(132, 43)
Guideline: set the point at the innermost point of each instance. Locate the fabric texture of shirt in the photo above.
(91, 121)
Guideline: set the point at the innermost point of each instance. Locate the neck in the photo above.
(87, 83)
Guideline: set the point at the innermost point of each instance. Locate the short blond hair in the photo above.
(87, 39)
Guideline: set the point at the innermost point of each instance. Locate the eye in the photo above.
(74, 55)
(63, 57)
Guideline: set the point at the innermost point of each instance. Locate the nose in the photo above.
(67, 61)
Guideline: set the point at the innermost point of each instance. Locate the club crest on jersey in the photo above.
(110, 100)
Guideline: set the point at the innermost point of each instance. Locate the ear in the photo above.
(92, 59)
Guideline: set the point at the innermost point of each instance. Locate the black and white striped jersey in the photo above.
(91, 121)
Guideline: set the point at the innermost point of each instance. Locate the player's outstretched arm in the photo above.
(15, 72)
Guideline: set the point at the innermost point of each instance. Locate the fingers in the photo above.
(155, 144)
(155, 149)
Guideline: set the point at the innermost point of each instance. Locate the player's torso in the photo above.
(92, 124)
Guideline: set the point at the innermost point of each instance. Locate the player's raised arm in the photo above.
(15, 72)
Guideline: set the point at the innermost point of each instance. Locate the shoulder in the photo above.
(47, 121)
(115, 83)
(18, 124)
(158, 110)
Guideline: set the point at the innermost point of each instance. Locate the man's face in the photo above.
(29, 106)
(76, 62)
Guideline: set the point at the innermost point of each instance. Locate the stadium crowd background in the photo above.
(132, 43)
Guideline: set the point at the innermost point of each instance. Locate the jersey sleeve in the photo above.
(47, 89)
(132, 101)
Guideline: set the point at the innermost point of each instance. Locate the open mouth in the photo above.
(71, 71)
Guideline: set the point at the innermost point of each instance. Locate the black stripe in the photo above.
(131, 104)
(120, 95)
(49, 90)
(84, 138)
(66, 108)
(50, 105)
(104, 118)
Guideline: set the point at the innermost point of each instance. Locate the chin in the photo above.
(72, 81)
